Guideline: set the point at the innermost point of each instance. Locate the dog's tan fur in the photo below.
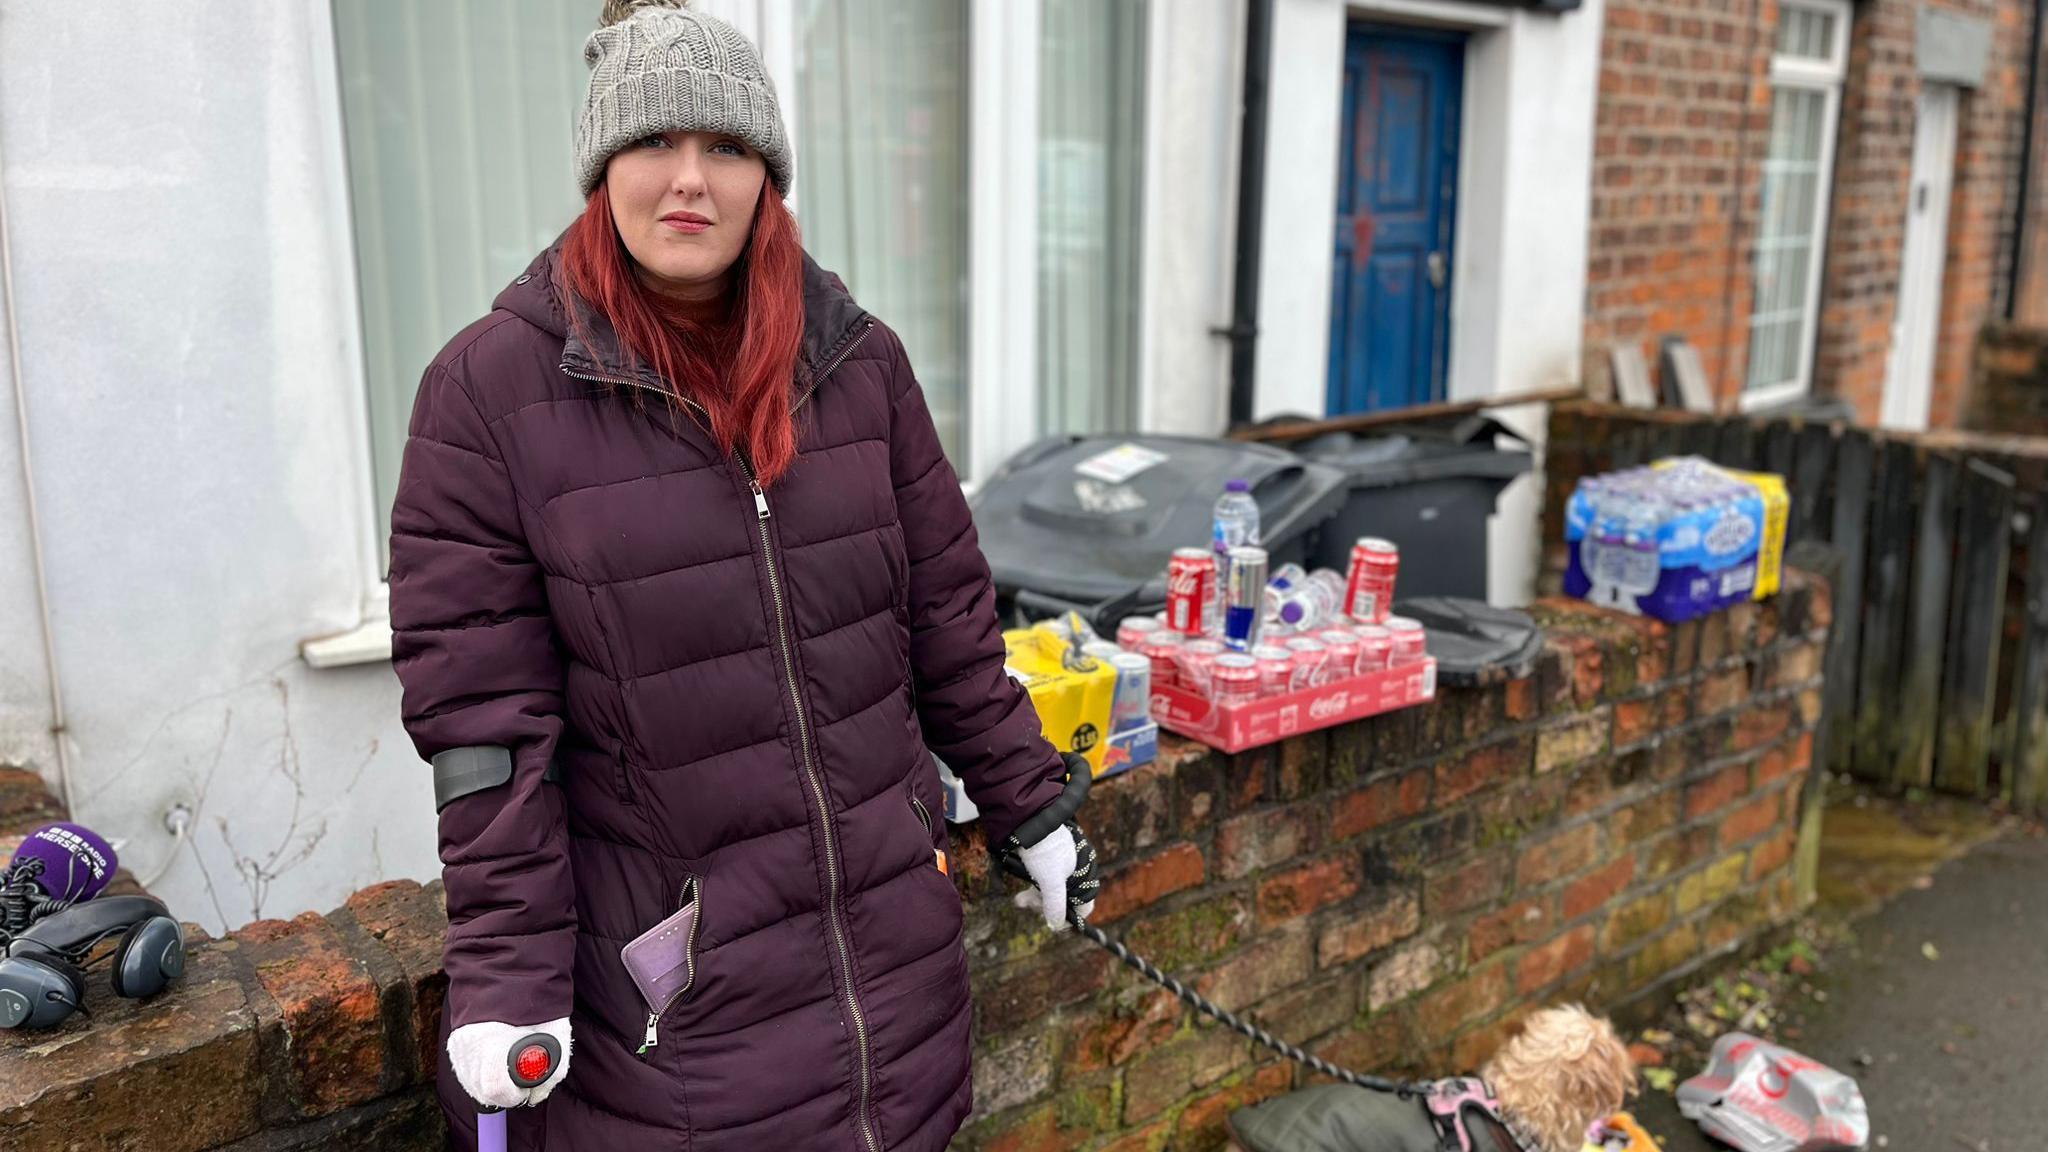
(1562, 1071)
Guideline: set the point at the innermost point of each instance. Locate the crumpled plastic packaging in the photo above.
(1759, 1097)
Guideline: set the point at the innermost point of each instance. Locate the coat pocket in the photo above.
(662, 961)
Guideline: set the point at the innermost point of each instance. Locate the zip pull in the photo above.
(650, 1040)
(760, 499)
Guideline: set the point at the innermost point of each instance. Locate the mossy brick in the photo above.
(1684, 648)
(1248, 776)
(1015, 1071)
(1792, 665)
(1479, 993)
(1519, 700)
(1394, 736)
(1722, 690)
(1197, 774)
(410, 921)
(1469, 885)
(1749, 820)
(1676, 852)
(1519, 923)
(1032, 1130)
(1492, 764)
(1351, 933)
(1506, 817)
(1601, 784)
(1716, 790)
(1261, 839)
(1143, 882)
(1554, 678)
(1131, 812)
(1637, 719)
(1350, 758)
(1195, 933)
(1151, 1138)
(1549, 962)
(1711, 884)
(1196, 1059)
(1295, 893)
(1114, 1029)
(1384, 1044)
(1596, 889)
(1762, 724)
(1557, 856)
(1643, 819)
(1201, 1127)
(1738, 918)
(1267, 965)
(1741, 617)
(1636, 921)
(1405, 972)
(1565, 742)
(1664, 955)
(1304, 765)
(1024, 991)
(1384, 801)
(1406, 854)
(1715, 641)
(1311, 1011)
(1772, 855)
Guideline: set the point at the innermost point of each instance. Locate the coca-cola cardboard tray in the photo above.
(1236, 727)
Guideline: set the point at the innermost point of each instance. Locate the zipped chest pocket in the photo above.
(663, 960)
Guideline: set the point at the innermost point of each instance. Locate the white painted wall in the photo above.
(181, 258)
(1518, 284)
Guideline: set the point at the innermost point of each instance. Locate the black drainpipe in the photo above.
(2020, 213)
(1251, 206)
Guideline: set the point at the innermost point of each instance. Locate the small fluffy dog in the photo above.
(1562, 1072)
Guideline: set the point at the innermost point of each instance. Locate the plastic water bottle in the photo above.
(1235, 524)
(1308, 603)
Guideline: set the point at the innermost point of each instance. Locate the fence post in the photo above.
(1976, 613)
(1933, 557)
(1853, 457)
(2027, 764)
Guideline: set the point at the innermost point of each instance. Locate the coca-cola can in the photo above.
(1369, 588)
(1197, 656)
(1756, 1096)
(1410, 645)
(1344, 648)
(1375, 648)
(1190, 590)
(1310, 658)
(1162, 648)
(1276, 669)
(1132, 630)
(1234, 679)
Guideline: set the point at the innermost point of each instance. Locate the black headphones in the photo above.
(42, 978)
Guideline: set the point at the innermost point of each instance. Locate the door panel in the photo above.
(1916, 326)
(1397, 181)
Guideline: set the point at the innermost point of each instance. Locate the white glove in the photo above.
(1051, 862)
(478, 1053)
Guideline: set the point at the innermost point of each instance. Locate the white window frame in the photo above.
(1826, 77)
(1002, 312)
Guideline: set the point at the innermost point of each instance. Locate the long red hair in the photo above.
(740, 372)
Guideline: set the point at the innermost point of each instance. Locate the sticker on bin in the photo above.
(1119, 463)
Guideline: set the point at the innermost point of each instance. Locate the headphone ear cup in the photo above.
(150, 956)
(39, 991)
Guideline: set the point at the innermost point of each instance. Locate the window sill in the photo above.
(367, 643)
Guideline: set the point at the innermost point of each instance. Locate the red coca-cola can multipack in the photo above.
(1276, 669)
(1369, 593)
(1162, 648)
(1190, 590)
(1132, 631)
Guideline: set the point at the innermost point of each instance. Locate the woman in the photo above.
(682, 587)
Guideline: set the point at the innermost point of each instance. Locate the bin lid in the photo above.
(1464, 449)
(1089, 518)
(1474, 642)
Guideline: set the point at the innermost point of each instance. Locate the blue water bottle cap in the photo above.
(1237, 486)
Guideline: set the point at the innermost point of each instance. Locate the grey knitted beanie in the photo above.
(659, 66)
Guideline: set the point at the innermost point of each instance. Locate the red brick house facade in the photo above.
(1754, 176)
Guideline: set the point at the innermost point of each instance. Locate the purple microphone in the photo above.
(70, 863)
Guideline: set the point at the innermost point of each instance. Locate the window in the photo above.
(1090, 163)
(460, 170)
(881, 163)
(1807, 69)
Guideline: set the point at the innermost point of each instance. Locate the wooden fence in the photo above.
(1938, 673)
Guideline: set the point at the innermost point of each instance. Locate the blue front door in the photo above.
(1397, 181)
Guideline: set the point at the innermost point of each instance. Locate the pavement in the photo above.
(1950, 1042)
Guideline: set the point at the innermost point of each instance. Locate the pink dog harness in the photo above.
(1450, 1100)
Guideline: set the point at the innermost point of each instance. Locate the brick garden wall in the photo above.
(2009, 388)
(1681, 133)
(1394, 893)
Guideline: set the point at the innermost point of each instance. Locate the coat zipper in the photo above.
(689, 982)
(817, 787)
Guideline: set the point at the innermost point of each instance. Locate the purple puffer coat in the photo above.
(739, 689)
